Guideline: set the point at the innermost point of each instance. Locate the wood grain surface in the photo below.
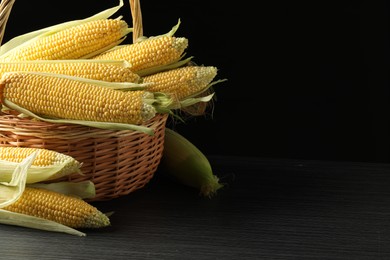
(269, 209)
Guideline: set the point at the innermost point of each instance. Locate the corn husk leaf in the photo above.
(191, 101)
(176, 64)
(35, 173)
(169, 33)
(22, 220)
(26, 38)
(82, 190)
(10, 191)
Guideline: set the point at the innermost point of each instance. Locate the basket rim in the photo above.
(29, 127)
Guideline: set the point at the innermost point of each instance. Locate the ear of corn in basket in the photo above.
(71, 40)
(48, 164)
(61, 98)
(185, 163)
(106, 70)
(149, 54)
(183, 82)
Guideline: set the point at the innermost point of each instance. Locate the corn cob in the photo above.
(104, 70)
(148, 53)
(66, 210)
(47, 165)
(183, 82)
(56, 96)
(74, 42)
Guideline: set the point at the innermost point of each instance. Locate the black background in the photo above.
(304, 79)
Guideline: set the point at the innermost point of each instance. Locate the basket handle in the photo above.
(5, 10)
(135, 8)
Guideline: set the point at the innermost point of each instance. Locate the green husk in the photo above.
(185, 163)
(22, 220)
(82, 190)
(10, 191)
(176, 64)
(196, 97)
(170, 33)
(193, 100)
(27, 38)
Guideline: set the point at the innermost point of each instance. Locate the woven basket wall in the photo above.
(118, 162)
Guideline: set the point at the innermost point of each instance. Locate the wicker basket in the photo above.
(118, 162)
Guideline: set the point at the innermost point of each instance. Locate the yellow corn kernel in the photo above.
(85, 69)
(182, 82)
(74, 42)
(148, 53)
(64, 209)
(68, 98)
(47, 165)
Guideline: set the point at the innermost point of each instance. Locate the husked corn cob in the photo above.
(64, 209)
(182, 82)
(85, 69)
(61, 164)
(67, 98)
(150, 52)
(74, 42)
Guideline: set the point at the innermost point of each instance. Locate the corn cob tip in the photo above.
(180, 44)
(183, 82)
(97, 220)
(206, 73)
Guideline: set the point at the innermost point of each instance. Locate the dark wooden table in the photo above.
(270, 209)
